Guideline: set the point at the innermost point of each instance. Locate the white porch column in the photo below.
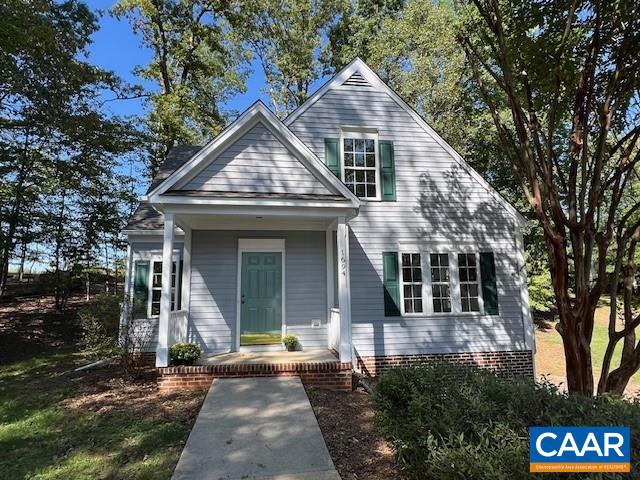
(162, 350)
(128, 290)
(344, 289)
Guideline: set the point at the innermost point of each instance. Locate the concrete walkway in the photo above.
(256, 428)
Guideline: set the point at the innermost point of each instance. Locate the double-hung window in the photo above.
(360, 164)
(468, 276)
(156, 288)
(412, 282)
(440, 282)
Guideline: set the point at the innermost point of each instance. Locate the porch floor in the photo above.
(270, 358)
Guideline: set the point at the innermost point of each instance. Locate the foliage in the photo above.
(197, 65)
(99, 321)
(451, 421)
(184, 353)
(286, 37)
(567, 77)
(290, 342)
(59, 146)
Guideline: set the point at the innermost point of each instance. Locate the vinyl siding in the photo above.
(214, 282)
(438, 203)
(257, 163)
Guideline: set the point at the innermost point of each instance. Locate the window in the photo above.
(412, 282)
(156, 288)
(440, 286)
(361, 166)
(468, 272)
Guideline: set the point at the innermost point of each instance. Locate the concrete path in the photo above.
(256, 428)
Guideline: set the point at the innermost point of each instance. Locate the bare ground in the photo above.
(346, 422)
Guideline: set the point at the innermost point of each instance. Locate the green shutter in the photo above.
(332, 155)
(391, 278)
(387, 171)
(489, 288)
(140, 288)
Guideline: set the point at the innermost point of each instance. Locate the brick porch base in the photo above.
(329, 375)
(506, 363)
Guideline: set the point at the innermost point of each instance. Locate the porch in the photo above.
(321, 368)
(216, 254)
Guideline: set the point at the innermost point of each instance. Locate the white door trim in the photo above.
(259, 245)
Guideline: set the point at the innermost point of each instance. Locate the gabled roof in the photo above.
(178, 156)
(257, 113)
(358, 72)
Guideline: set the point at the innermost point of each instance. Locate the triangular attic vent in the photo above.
(356, 80)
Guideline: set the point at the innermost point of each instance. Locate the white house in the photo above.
(352, 225)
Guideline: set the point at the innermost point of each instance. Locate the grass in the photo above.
(550, 356)
(92, 425)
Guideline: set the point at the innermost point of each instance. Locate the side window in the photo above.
(468, 273)
(156, 288)
(412, 282)
(440, 282)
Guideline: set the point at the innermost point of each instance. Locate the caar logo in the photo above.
(579, 449)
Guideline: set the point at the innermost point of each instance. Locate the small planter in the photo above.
(184, 353)
(290, 342)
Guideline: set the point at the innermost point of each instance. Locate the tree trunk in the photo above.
(577, 351)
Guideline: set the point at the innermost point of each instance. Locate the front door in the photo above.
(261, 298)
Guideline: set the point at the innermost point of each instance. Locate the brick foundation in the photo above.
(329, 375)
(507, 364)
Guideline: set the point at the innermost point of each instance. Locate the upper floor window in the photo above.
(360, 164)
(468, 273)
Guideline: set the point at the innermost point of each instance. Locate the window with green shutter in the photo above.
(140, 289)
(391, 281)
(489, 286)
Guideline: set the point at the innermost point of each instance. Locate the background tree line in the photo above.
(540, 97)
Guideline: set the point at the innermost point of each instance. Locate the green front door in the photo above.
(261, 298)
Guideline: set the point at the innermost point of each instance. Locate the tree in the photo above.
(197, 64)
(568, 73)
(55, 137)
(286, 38)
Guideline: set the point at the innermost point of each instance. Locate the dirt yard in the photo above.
(346, 421)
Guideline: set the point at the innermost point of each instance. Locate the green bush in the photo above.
(445, 421)
(99, 322)
(290, 342)
(184, 353)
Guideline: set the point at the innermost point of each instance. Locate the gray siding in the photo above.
(438, 203)
(214, 280)
(257, 163)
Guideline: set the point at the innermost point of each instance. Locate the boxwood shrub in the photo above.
(184, 353)
(447, 421)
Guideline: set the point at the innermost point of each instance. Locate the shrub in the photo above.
(184, 353)
(290, 342)
(446, 421)
(99, 322)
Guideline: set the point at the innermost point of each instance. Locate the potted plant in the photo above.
(290, 342)
(184, 353)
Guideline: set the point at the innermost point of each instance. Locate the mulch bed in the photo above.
(346, 422)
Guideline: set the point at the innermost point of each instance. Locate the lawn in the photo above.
(550, 356)
(94, 424)
(91, 425)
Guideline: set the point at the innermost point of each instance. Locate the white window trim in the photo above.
(158, 259)
(402, 311)
(454, 281)
(259, 245)
(362, 133)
